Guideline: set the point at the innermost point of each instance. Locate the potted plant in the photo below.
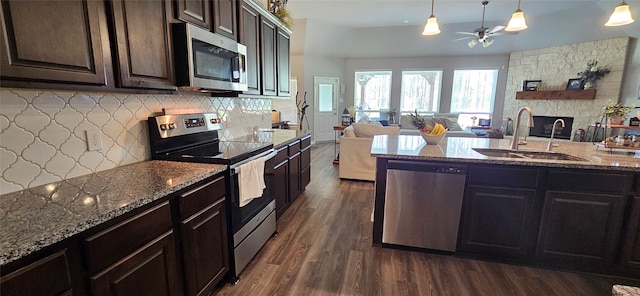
(616, 112)
(593, 73)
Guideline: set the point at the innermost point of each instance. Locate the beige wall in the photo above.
(42, 136)
(555, 66)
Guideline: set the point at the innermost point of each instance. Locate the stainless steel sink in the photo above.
(527, 154)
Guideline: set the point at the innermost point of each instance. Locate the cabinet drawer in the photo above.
(281, 156)
(588, 181)
(294, 147)
(501, 176)
(111, 244)
(201, 196)
(305, 142)
(305, 160)
(48, 276)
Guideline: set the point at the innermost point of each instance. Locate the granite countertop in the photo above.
(279, 137)
(457, 149)
(38, 217)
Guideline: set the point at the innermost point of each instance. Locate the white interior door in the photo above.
(325, 115)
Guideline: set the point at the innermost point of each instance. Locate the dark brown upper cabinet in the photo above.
(284, 70)
(72, 53)
(142, 44)
(249, 36)
(197, 12)
(268, 35)
(224, 18)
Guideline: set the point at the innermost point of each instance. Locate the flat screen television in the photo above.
(543, 125)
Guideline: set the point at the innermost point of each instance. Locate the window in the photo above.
(420, 91)
(472, 95)
(372, 93)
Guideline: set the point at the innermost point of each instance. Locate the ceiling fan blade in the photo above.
(496, 29)
(466, 33)
(464, 38)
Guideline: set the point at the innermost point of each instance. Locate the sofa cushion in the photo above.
(349, 132)
(369, 130)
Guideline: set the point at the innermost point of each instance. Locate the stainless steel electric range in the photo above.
(194, 138)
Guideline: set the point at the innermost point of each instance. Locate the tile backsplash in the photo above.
(43, 140)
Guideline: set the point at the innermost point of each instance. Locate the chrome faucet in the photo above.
(553, 131)
(514, 141)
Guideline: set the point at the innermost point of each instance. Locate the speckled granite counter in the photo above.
(455, 149)
(38, 217)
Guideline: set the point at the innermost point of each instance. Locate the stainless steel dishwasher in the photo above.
(422, 206)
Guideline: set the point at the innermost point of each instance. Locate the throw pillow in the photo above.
(452, 124)
(349, 132)
(370, 130)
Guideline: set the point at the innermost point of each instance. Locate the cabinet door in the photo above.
(580, 228)
(204, 244)
(34, 51)
(47, 276)
(284, 70)
(224, 18)
(268, 34)
(197, 12)
(150, 270)
(305, 168)
(631, 248)
(294, 177)
(496, 221)
(142, 42)
(281, 187)
(250, 37)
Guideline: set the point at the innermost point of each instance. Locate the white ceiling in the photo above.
(390, 13)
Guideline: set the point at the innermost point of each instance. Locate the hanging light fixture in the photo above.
(487, 42)
(472, 43)
(620, 16)
(517, 21)
(431, 28)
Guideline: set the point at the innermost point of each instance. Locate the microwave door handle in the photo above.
(235, 69)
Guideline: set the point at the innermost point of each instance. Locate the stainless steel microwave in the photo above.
(208, 61)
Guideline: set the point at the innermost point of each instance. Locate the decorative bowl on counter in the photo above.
(432, 140)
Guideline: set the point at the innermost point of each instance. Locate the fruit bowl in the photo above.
(432, 140)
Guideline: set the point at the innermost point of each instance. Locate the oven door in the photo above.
(241, 215)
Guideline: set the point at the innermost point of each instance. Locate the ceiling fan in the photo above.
(483, 34)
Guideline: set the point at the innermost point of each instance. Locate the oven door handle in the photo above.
(267, 155)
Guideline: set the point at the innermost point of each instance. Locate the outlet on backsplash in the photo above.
(94, 142)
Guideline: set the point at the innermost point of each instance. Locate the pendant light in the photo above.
(517, 21)
(620, 16)
(431, 28)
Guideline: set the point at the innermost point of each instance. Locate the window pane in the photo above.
(473, 91)
(372, 91)
(325, 96)
(420, 91)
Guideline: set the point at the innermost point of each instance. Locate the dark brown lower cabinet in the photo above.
(204, 247)
(581, 229)
(305, 168)
(150, 270)
(281, 187)
(497, 221)
(631, 248)
(47, 276)
(294, 177)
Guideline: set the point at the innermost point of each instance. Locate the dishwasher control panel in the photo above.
(450, 170)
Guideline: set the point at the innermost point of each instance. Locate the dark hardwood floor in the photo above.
(324, 248)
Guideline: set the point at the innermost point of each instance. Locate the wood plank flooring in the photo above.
(324, 248)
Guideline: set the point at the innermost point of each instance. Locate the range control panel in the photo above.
(182, 124)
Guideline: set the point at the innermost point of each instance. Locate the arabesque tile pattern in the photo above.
(43, 140)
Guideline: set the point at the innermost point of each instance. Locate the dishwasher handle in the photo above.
(429, 167)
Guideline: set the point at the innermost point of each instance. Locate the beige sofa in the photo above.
(355, 150)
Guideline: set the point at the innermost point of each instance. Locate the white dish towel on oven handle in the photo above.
(250, 180)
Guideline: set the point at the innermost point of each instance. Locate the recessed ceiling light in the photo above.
(405, 21)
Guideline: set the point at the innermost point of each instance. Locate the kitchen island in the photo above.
(578, 208)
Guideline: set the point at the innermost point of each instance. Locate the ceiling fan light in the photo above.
(431, 28)
(620, 16)
(517, 22)
(472, 43)
(487, 42)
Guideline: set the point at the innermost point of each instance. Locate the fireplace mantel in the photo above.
(587, 94)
